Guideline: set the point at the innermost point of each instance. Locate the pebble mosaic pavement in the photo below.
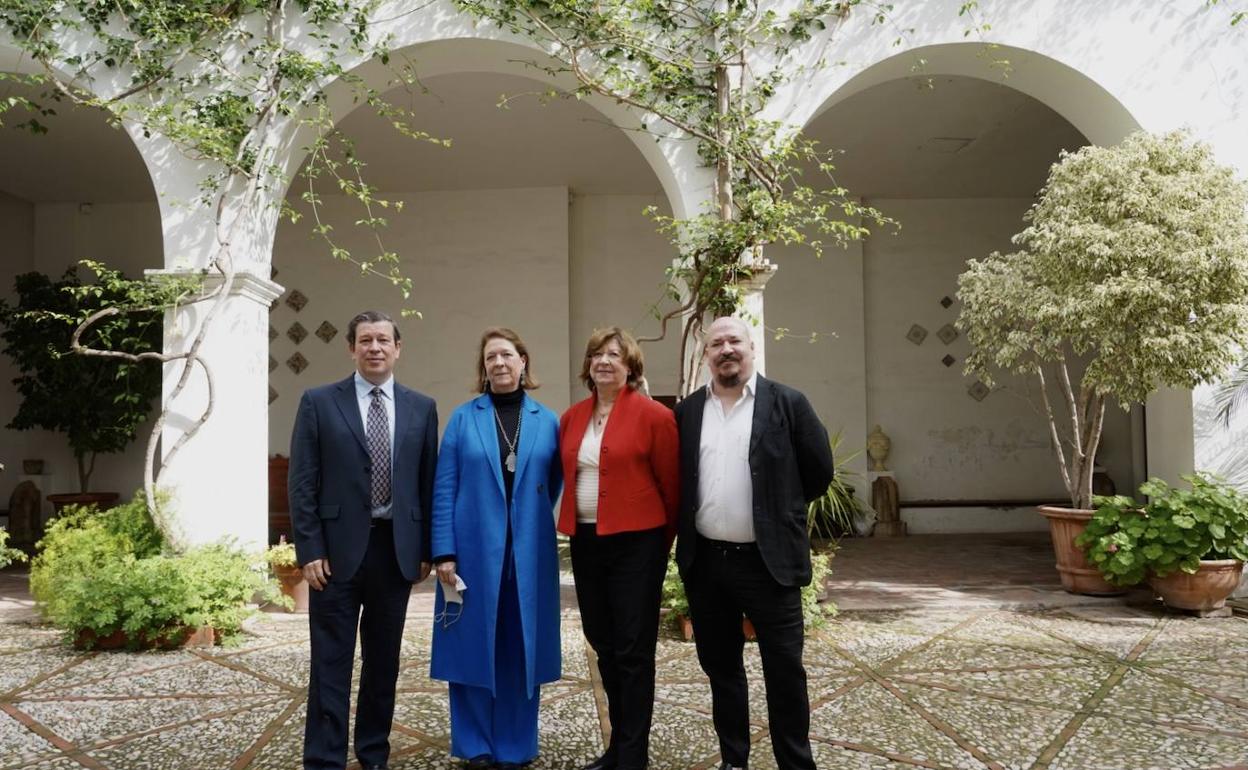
(1105, 685)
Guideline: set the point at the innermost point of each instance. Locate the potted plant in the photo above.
(285, 566)
(110, 579)
(1189, 544)
(1131, 274)
(839, 510)
(97, 402)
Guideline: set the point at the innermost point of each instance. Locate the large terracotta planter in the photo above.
(291, 583)
(1078, 576)
(1205, 591)
(102, 500)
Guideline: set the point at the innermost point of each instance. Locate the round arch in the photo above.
(470, 50)
(1087, 105)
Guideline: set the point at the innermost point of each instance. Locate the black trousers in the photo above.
(375, 600)
(726, 581)
(618, 583)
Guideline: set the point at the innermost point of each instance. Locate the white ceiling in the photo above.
(900, 140)
(81, 158)
(897, 140)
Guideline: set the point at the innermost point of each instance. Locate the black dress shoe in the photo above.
(605, 762)
(482, 762)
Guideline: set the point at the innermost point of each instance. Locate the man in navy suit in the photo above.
(362, 464)
(752, 455)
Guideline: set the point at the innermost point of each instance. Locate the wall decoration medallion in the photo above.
(272, 333)
(272, 394)
(296, 332)
(945, 302)
(947, 333)
(272, 363)
(296, 300)
(326, 331)
(978, 391)
(948, 360)
(297, 363)
(916, 334)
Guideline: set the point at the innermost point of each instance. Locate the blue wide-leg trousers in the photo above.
(502, 725)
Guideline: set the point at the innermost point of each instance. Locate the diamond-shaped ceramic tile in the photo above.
(272, 333)
(947, 333)
(273, 305)
(948, 360)
(296, 300)
(978, 391)
(297, 363)
(916, 334)
(272, 363)
(296, 332)
(945, 302)
(326, 331)
(272, 394)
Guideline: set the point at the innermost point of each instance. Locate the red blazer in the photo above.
(639, 465)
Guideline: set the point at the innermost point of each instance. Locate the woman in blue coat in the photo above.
(493, 529)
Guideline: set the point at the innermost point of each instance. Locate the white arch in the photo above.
(445, 45)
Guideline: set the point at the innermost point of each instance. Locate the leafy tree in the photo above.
(98, 404)
(1134, 265)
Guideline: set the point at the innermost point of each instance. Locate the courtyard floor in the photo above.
(927, 666)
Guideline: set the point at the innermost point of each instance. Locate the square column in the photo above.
(219, 479)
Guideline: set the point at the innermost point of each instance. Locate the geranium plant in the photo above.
(1174, 531)
(1131, 274)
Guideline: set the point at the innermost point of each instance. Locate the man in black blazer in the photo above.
(362, 462)
(752, 455)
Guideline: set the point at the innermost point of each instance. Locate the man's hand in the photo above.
(446, 574)
(424, 570)
(317, 573)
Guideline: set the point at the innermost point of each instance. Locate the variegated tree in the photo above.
(1132, 274)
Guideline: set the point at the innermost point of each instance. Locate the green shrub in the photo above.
(1174, 531)
(104, 571)
(815, 614)
(8, 555)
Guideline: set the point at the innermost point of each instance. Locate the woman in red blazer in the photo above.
(621, 463)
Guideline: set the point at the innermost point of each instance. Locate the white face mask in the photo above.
(453, 603)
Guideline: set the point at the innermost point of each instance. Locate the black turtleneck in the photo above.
(507, 406)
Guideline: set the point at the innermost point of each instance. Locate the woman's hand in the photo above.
(446, 574)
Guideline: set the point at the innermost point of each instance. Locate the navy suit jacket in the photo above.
(329, 478)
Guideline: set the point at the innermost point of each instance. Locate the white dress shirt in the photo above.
(587, 474)
(364, 398)
(725, 486)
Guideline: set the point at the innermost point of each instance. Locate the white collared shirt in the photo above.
(363, 399)
(725, 486)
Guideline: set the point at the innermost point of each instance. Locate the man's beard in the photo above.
(728, 380)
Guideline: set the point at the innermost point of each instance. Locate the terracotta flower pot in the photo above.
(291, 583)
(1205, 591)
(204, 636)
(1078, 576)
(102, 500)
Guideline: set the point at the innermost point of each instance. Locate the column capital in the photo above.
(762, 271)
(247, 285)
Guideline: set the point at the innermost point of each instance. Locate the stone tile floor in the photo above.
(943, 680)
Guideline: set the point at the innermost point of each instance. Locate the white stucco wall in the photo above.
(478, 258)
(1107, 67)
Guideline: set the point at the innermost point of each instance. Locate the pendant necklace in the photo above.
(510, 462)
